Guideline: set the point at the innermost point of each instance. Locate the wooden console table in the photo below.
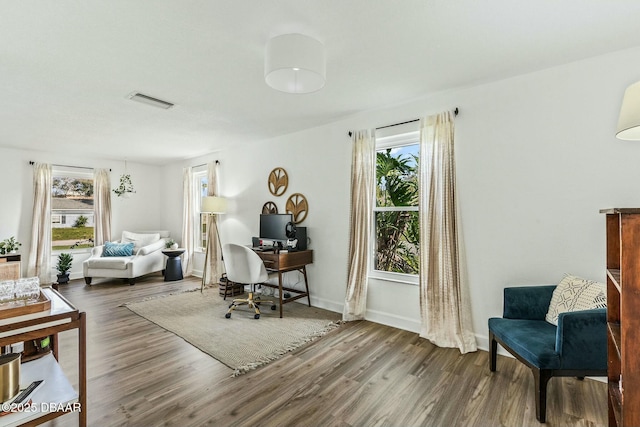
(57, 396)
(283, 262)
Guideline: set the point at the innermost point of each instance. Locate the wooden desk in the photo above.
(288, 261)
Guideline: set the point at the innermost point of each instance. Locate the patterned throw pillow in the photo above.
(117, 249)
(576, 294)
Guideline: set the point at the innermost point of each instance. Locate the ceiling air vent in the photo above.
(150, 100)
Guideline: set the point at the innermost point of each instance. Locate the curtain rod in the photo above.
(31, 162)
(205, 164)
(455, 112)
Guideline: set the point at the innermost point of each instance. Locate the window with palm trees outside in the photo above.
(395, 216)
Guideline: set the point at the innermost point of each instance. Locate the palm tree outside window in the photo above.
(395, 248)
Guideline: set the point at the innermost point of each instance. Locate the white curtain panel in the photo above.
(188, 213)
(214, 266)
(39, 263)
(102, 206)
(444, 303)
(362, 189)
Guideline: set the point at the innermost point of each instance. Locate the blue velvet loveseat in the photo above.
(577, 347)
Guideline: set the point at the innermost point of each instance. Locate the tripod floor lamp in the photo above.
(212, 205)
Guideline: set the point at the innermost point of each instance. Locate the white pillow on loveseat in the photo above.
(139, 240)
(576, 294)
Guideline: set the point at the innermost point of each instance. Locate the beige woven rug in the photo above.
(241, 342)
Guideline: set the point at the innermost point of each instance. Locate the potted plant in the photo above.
(65, 261)
(10, 245)
(125, 188)
(171, 244)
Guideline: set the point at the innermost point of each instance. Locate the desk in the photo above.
(288, 261)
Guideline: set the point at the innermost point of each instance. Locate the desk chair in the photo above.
(245, 267)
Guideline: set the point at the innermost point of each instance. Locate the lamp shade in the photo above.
(629, 120)
(214, 204)
(295, 63)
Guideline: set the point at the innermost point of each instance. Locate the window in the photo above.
(395, 214)
(200, 186)
(72, 217)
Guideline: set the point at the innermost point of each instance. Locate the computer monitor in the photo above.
(272, 226)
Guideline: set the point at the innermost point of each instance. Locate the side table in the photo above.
(173, 270)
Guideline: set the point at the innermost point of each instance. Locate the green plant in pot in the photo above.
(10, 245)
(65, 261)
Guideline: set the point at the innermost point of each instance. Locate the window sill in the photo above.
(56, 252)
(406, 279)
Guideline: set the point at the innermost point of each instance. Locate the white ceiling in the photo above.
(67, 66)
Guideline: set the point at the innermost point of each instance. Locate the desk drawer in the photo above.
(286, 261)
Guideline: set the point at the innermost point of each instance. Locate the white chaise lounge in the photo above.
(147, 257)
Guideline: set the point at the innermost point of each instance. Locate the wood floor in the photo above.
(362, 374)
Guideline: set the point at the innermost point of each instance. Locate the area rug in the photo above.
(241, 342)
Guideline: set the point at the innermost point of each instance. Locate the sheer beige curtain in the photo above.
(40, 252)
(102, 206)
(214, 267)
(362, 190)
(188, 213)
(444, 302)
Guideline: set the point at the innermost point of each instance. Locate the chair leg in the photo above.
(541, 377)
(493, 350)
(226, 287)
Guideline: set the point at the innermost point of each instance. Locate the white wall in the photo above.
(141, 212)
(536, 160)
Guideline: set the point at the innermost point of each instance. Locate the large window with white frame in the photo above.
(395, 241)
(72, 213)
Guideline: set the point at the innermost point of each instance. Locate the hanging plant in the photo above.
(125, 189)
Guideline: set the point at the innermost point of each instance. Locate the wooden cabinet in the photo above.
(9, 267)
(623, 315)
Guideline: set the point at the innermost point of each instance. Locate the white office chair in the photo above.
(246, 267)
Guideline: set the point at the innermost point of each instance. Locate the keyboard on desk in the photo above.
(262, 248)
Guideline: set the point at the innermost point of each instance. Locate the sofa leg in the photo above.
(493, 350)
(132, 282)
(541, 377)
(87, 280)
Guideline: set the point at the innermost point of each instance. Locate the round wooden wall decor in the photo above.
(278, 181)
(269, 208)
(298, 207)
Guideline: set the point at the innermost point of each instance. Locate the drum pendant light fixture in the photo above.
(295, 63)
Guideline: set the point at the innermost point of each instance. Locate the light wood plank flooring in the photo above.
(362, 374)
